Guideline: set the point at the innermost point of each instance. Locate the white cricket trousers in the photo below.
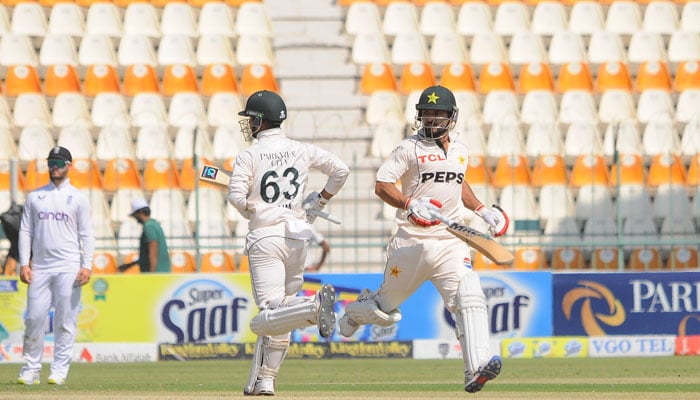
(47, 288)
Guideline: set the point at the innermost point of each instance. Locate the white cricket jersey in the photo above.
(269, 178)
(425, 170)
(56, 229)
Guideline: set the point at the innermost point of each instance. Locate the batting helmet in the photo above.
(266, 105)
(436, 98)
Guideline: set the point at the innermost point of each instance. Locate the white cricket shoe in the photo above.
(348, 327)
(264, 386)
(28, 378)
(56, 379)
(326, 310)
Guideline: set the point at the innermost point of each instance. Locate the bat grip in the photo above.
(436, 215)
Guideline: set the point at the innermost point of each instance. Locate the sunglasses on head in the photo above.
(57, 163)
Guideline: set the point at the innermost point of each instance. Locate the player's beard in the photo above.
(58, 175)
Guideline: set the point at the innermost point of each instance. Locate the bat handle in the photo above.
(325, 216)
(436, 215)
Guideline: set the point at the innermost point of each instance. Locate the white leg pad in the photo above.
(267, 359)
(365, 311)
(256, 364)
(283, 319)
(472, 322)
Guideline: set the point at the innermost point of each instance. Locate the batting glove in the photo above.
(419, 211)
(314, 201)
(495, 217)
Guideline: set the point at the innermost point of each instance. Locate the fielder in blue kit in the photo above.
(57, 233)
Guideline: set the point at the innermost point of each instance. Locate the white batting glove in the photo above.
(314, 201)
(419, 211)
(495, 217)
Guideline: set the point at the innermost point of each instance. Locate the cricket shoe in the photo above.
(484, 374)
(326, 310)
(264, 386)
(347, 326)
(56, 379)
(28, 378)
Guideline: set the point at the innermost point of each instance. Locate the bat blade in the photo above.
(483, 243)
(212, 174)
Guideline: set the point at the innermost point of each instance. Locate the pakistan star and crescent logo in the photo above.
(433, 98)
(588, 291)
(461, 160)
(395, 271)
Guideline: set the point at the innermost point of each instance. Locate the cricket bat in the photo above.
(482, 242)
(212, 174)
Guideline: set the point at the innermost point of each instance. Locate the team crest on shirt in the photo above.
(395, 271)
(69, 200)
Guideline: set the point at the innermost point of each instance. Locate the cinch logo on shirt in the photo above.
(441, 177)
(59, 216)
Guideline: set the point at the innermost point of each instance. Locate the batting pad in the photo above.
(365, 311)
(282, 320)
(472, 322)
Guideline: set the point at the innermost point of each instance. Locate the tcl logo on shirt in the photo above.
(431, 158)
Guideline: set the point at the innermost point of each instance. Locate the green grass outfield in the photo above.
(603, 378)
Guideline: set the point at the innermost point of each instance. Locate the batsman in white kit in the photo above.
(431, 166)
(57, 233)
(266, 187)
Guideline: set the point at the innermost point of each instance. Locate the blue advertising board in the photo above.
(520, 305)
(662, 303)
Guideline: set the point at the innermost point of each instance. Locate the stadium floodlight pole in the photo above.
(616, 160)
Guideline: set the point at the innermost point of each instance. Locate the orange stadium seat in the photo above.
(188, 175)
(21, 79)
(631, 171)
(179, 78)
(477, 172)
(682, 257)
(458, 77)
(238, 3)
(59, 79)
(653, 75)
(604, 258)
(217, 262)
(613, 75)
(574, 76)
(182, 262)
(104, 263)
(10, 267)
(85, 174)
(495, 76)
(589, 170)
(666, 169)
(37, 175)
(121, 173)
(687, 75)
(416, 76)
(5, 177)
(257, 77)
(549, 169)
(529, 258)
(160, 174)
(511, 170)
(644, 259)
(218, 78)
(567, 258)
(134, 269)
(101, 78)
(535, 76)
(243, 266)
(140, 78)
(377, 76)
(693, 177)
(163, 3)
